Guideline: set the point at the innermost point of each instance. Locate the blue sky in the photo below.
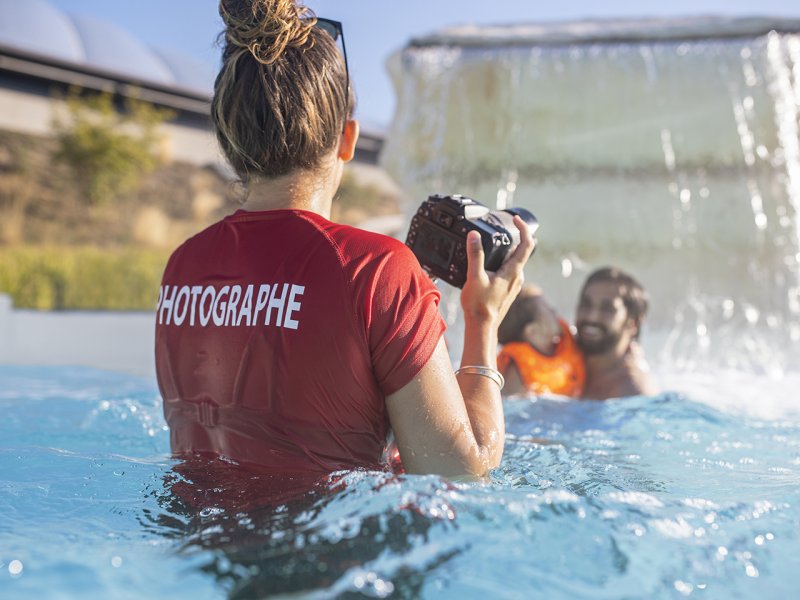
(376, 28)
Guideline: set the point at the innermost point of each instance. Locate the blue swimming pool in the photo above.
(663, 497)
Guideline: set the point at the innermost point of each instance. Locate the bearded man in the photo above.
(609, 319)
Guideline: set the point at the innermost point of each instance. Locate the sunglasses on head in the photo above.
(334, 29)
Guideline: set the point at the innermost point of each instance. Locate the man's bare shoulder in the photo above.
(630, 378)
(635, 378)
(637, 383)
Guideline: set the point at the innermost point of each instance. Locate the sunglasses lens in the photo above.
(330, 28)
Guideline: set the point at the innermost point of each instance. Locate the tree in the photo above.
(108, 150)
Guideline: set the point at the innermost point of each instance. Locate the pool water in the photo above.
(682, 495)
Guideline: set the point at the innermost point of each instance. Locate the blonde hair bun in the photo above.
(267, 27)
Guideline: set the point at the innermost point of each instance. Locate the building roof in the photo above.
(37, 27)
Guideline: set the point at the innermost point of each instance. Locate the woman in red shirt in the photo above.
(295, 344)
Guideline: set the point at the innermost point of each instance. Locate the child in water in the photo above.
(538, 354)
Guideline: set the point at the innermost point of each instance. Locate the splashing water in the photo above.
(667, 148)
(640, 498)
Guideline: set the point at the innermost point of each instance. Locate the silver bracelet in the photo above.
(489, 372)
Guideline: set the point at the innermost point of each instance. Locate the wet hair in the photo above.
(527, 307)
(281, 99)
(634, 296)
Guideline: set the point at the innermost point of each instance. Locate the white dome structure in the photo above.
(110, 48)
(39, 28)
(187, 72)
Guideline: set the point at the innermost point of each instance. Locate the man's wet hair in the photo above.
(634, 296)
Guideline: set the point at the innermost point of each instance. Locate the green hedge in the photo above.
(81, 277)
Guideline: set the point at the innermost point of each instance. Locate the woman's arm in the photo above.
(454, 426)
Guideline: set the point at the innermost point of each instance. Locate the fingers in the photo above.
(475, 256)
(512, 268)
(489, 295)
(526, 240)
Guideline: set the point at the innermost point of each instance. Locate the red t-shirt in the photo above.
(279, 334)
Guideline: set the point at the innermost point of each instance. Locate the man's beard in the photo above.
(597, 345)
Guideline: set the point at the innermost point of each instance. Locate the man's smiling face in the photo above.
(602, 319)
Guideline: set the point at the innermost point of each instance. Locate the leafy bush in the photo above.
(81, 277)
(108, 150)
(358, 199)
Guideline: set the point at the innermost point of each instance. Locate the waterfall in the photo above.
(669, 148)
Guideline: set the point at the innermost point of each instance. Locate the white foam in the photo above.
(739, 393)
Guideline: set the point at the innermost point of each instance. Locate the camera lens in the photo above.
(527, 216)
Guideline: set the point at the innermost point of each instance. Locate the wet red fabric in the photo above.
(279, 334)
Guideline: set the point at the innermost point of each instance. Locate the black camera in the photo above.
(438, 235)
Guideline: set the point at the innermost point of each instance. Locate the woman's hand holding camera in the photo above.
(487, 296)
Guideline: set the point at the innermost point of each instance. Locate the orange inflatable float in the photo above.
(563, 373)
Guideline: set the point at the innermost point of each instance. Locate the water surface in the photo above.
(659, 497)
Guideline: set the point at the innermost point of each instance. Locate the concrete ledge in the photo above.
(117, 341)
